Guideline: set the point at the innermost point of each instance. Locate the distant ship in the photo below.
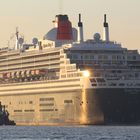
(63, 79)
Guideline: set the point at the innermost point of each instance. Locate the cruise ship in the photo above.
(63, 79)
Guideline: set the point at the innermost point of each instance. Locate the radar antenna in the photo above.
(17, 33)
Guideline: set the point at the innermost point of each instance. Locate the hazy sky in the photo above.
(34, 18)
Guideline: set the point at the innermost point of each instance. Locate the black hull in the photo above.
(117, 106)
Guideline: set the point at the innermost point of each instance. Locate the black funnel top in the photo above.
(62, 17)
(105, 22)
(80, 24)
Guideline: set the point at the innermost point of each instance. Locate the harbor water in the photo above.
(69, 132)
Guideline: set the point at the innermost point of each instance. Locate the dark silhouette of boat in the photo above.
(4, 116)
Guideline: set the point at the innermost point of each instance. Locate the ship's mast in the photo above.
(106, 30)
(80, 30)
(17, 37)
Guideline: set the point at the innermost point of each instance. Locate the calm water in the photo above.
(70, 133)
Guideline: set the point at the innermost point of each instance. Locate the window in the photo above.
(45, 110)
(91, 57)
(94, 85)
(100, 57)
(121, 84)
(105, 57)
(129, 57)
(49, 104)
(75, 56)
(92, 80)
(63, 76)
(134, 57)
(30, 102)
(62, 56)
(20, 103)
(47, 99)
(67, 101)
(86, 56)
(31, 110)
(17, 110)
(114, 57)
(100, 80)
(119, 57)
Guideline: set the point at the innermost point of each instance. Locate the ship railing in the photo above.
(104, 82)
(31, 65)
(28, 79)
(54, 66)
(26, 62)
(40, 52)
(24, 59)
(124, 83)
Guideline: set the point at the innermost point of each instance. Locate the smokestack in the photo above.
(80, 30)
(64, 29)
(106, 30)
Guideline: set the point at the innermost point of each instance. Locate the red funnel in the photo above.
(64, 30)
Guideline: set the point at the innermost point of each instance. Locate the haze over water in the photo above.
(70, 133)
(34, 18)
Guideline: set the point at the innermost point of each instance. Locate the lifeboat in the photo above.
(32, 72)
(13, 74)
(4, 75)
(9, 75)
(23, 74)
(40, 72)
(28, 73)
(18, 74)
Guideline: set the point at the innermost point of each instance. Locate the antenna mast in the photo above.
(80, 30)
(106, 30)
(17, 37)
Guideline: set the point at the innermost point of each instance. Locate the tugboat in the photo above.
(4, 116)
